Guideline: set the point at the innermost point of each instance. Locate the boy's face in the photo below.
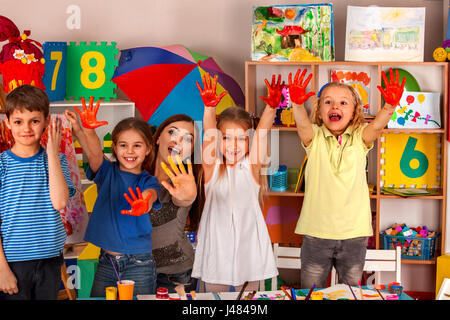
(27, 127)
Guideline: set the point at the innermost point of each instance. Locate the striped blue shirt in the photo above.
(30, 227)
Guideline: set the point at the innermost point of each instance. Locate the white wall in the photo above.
(219, 28)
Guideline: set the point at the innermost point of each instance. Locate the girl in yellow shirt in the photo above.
(335, 220)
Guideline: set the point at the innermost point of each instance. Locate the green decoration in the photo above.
(90, 69)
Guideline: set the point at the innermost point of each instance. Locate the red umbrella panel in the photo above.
(162, 82)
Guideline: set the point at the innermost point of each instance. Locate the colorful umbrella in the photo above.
(161, 81)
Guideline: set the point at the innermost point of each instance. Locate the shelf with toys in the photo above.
(433, 80)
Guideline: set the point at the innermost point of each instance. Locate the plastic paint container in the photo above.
(392, 297)
(111, 293)
(392, 284)
(317, 295)
(396, 289)
(162, 294)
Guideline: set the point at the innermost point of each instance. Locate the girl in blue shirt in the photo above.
(119, 225)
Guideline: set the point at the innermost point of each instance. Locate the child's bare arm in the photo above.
(298, 95)
(8, 281)
(59, 192)
(86, 136)
(392, 94)
(210, 137)
(259, 144)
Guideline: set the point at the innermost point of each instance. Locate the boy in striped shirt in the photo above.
(34, 185)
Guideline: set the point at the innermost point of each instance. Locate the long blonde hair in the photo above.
(358, 115)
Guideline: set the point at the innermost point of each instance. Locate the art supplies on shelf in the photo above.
(300, 182)
(360, 81)
(409, 192)
(416, 243)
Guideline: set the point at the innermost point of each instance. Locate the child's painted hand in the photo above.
(139, 205)
(72, 117)
(89, 114)
(393, 91)
(297, 89)
(209, 97)
(54, 136)
(185, 188)
(273, 92)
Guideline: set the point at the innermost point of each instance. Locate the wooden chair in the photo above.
(379, 260)
(67, 293)
(285, 258)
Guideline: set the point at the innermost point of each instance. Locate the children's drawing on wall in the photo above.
(360, 81)
(293, 33)
(418, 110)
(384, 34)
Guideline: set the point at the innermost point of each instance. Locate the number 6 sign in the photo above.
(89, 70)
(411, 160)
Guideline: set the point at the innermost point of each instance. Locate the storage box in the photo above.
(415, 248)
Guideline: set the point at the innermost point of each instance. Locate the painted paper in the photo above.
(384, 34)
(360, 81)
(417, 110)
(293, 33)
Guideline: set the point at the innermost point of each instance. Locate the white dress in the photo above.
(233, 241)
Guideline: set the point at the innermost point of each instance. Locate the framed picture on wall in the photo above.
(293, 33)
(384, 34)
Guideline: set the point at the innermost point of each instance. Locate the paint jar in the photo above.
(392, 284)
(396, 289)
(162, 294)
(111, 293)
(392, 297)
(317, 295)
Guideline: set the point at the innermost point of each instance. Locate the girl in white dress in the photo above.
(233, 241)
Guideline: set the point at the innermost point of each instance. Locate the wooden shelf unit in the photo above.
(433, 77)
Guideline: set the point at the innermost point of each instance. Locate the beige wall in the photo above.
(219, 28)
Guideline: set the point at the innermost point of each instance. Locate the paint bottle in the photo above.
(111, 293)
(162, 294)
(317, 295)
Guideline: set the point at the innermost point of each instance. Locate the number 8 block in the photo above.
(90, 69)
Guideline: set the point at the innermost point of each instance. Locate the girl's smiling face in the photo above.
(176, 139)
(131, 150)
(234, 142)
(336, 109)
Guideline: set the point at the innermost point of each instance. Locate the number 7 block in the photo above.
(54, 78)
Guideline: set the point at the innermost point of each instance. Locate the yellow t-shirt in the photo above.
(336, 203)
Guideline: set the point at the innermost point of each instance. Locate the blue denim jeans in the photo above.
(318, 256)
(140, 268)
(170, 281)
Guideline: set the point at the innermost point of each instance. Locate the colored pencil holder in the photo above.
(278, 180)
(414, 248)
